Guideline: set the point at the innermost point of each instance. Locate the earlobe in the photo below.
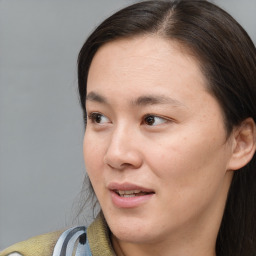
(244, 144)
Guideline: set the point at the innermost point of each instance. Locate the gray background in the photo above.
(41, 129)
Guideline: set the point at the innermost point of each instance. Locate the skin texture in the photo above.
(181, 152)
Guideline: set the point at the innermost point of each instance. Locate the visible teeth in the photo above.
(128, 192)
(132, 195)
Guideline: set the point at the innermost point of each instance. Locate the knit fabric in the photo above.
(56, 243)
(42, 245)
(99, 238)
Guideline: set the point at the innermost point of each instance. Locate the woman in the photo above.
(168, 91)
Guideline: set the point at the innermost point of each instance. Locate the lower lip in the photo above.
(129, 202)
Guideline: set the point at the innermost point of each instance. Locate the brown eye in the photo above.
(98, 118)
(153, 120)
(149, 120)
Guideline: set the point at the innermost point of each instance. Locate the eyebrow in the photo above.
(144, 100)
(156, 99)
(93, 96)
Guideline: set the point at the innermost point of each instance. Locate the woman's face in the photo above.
(155, 145)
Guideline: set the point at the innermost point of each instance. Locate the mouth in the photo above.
(132, 193)
(128, 195)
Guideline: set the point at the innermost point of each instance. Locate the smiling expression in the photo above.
(155, 145)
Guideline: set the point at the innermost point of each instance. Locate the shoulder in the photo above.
(51, 244)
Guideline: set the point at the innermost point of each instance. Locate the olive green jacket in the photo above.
(97, 243)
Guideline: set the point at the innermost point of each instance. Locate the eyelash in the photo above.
(94, 116)
(151, 117)
(154, 117)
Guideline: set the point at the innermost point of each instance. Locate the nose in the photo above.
(123, 150)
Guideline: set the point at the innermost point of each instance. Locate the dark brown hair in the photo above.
(228, 60)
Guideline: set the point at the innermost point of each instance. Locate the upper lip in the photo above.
(114, 186)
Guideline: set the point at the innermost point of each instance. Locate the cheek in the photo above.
(93, 156)
(189, 163)
(190, 178)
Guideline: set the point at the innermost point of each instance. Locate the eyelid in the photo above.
(96, 118)
(165, 119)
(92, 116)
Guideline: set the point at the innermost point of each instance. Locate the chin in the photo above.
(131, 231)
(132, 236)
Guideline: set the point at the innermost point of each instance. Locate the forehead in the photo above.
(144, 63)
(150, 70)
(150, 46)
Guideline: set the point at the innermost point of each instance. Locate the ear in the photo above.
(244, 144)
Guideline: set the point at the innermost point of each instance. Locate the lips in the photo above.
(128, 188)
(127, 195)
